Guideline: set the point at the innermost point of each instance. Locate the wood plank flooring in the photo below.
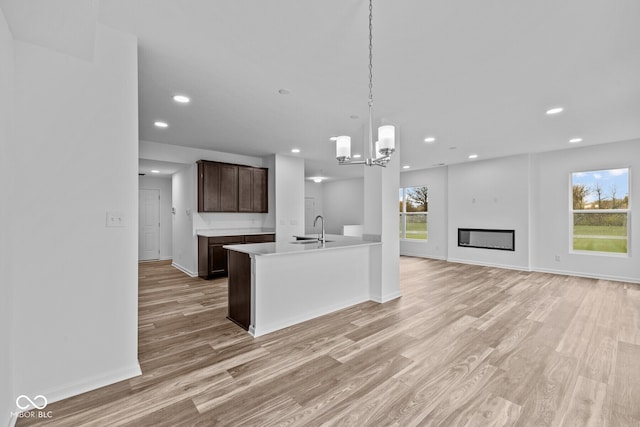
(464, 346)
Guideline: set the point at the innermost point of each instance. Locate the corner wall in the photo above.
(7, 397)
(74, 158)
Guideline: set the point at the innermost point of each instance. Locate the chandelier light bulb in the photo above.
(343, 148)
(387, 139)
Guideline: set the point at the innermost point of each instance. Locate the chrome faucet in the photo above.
(322, 238)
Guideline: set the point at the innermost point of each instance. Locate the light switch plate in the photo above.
(115, 219)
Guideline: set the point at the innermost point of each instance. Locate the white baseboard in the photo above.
(386, 298)
(552, 271)
(588, 275)
(420, 255)
(93, 383)
(89, 384)
(165, 258)
(184, 270)
(488, 264)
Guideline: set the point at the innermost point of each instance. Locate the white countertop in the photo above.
(216, 232)
(280, 248)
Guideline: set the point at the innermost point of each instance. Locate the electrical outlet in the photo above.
(557, 258)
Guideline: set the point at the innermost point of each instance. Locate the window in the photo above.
(414, 208)
(600, 211)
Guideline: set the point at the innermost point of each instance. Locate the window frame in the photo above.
(403, 216)
(573, 211)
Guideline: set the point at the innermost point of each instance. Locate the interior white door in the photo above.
(149, 225)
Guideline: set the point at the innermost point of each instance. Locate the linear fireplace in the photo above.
(503, 240)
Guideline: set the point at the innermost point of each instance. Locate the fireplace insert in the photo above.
(503, 240)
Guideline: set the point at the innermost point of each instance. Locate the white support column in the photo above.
(381, 224)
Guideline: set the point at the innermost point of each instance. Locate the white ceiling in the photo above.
(478, 76)
(163, 169)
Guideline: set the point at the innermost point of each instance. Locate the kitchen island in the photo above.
(276, 285)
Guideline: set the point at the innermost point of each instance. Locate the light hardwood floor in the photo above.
(464, 346)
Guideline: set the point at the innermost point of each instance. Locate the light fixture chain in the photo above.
(370, 52)
(377, 156)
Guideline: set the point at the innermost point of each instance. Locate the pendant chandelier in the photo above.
(380, 152)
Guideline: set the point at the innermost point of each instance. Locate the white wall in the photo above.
(74, 157)
(436, 244)
(490, 194)
(343, 203)
(183, 191)
(7, 397)
(166, 218)
(289, 192)
(313, 190)
(551, 210)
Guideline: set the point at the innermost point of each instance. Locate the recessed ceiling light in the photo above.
(284, 91)
(555, 110)
(406, 167)
(575, 140)
(181, 99)
(473, 156)
(357, 156)
(354, 117)
(317, 180)
(452, 148)
(161, 124)
(429, 139)
(333, 138)
(155, 171)
(295, 150)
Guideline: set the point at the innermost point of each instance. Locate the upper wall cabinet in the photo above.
(224, 187)
(252, 189)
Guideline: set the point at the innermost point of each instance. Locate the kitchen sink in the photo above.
(308, 240)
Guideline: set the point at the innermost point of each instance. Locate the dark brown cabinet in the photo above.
(225, 187)
(252, 190)
(239, 289)
(213, 258)
(217, 187)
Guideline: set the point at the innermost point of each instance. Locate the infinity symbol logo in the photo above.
(22, 398)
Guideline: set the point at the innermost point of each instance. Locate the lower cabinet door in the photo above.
(217, 259)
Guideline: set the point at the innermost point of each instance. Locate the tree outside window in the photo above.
(600, 211)
(414, 208)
